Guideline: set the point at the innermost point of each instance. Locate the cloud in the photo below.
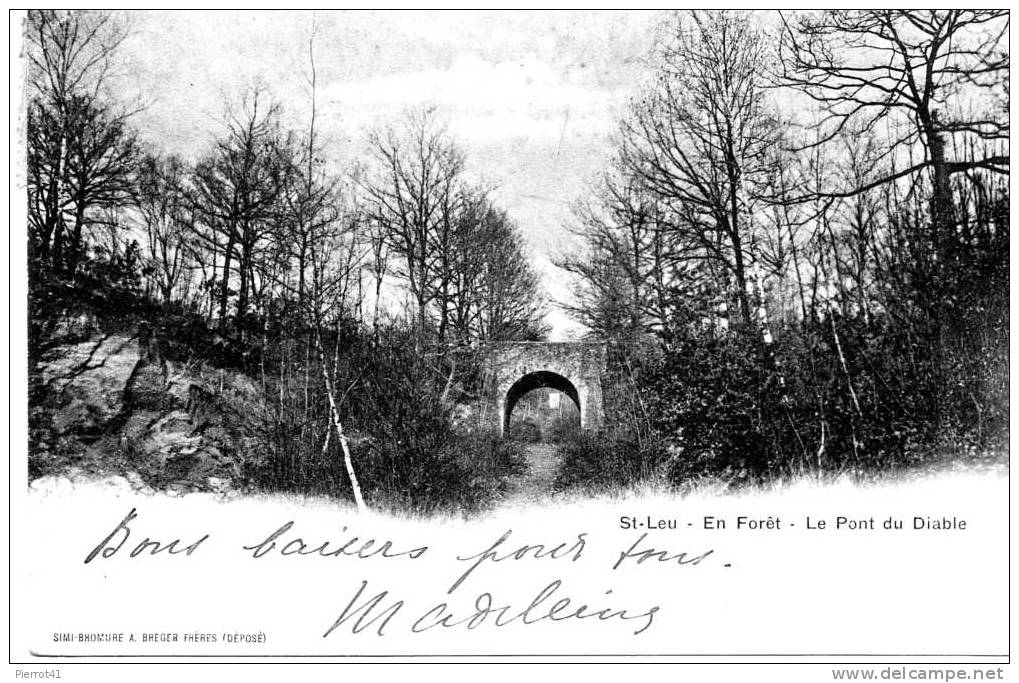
(531, 96)
(485, 101)
(534, 129)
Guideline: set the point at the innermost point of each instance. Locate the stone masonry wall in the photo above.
(581, 364)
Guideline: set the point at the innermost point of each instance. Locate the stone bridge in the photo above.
(574, 368)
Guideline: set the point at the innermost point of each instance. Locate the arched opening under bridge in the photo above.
(542, 406)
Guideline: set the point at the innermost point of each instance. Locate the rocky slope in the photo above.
(109, 403)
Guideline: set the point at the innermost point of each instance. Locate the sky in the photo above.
(532, 97)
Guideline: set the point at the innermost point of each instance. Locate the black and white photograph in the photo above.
(510, 336)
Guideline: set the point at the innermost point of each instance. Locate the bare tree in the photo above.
(908, 68)
(235, 188)
(699, 136)
(167, 217)
(506, 296)
(378, 246)
(80, 151)
(637, 264)
(418, 170)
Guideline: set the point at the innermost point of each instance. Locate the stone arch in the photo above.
(536, 380)
(573, 367)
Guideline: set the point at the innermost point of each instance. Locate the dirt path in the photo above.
(536, 483)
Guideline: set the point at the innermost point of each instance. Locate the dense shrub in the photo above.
(837, 394)
(562, 429)
(525, 430)
(405, 452)
(467, 472)
(607, 460)
(711, 399)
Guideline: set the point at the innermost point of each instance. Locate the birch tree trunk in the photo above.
(340, 436)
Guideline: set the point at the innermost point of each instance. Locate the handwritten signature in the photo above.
(364, 612)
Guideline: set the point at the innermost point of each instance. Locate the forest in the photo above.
(797, 255)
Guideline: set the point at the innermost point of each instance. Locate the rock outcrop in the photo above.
(112, 404)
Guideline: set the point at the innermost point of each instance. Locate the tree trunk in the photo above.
(942, 209)
(244, 266)
(74, 254)
(57, 228)
(224, 291)
(741, 279)
(942, 239)
(341, 437)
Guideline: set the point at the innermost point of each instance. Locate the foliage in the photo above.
(406, 454)
(870, 319)
(525, 431)
(256, 257)
(608, 460)
(467, 473)
(832, 296)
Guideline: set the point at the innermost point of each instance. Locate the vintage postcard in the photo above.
(511, 336)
